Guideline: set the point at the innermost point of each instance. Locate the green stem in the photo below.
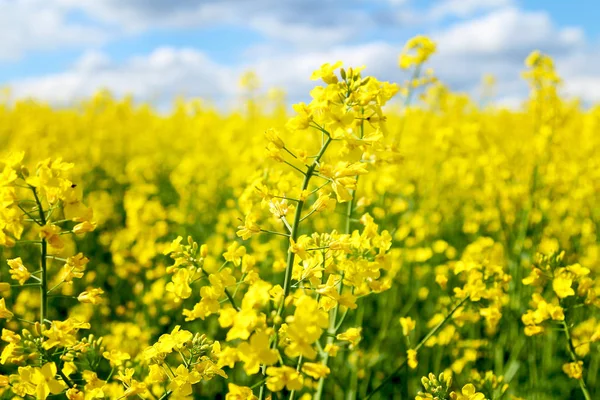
(64, 377)
(295, 226)
(333, 326)
(575, 359)
(274, 233)
(231, 300)
(287, 280)
(229, 297)
(44, 279)
(43, 275)
(330, 338)
(293, 392)
(166, 395)
(417, 347)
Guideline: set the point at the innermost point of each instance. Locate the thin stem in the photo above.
(231, 300)
(294, 167)
(275, 233)
(293, 392)
(24, 320)
(417, 347)
(330, 339)
(289, 152)
(333, 326)
(29, 215)
(287, 282)
(286, 223)
(43, 275)
(166, 395)
(575, 359)
(295, 226)
(25, 284)
(308, 215)
(257, 384)
(57, 258)
(341, 321)
(229, 297)
(64, 377)
(318, 188)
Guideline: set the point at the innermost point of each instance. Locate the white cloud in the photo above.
(139, 15)
(463, 8)
(406, 14)
(492, 43)
(508, 30)
(168, 72)
(580, 74)
(158, 76)
(31, 25)
(27, 25)
(300, 34)
(283, 20)
(495, 43)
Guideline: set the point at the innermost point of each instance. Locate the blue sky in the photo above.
(63, 50)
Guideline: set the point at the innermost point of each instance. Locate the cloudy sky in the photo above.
(63, 50)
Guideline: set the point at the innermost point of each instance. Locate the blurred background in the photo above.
(63, 50)
(456, 182)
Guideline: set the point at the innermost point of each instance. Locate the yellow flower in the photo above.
(573, 369)
(84, 227)
(302, 120)
(532, 330)
(352, 335)
(18, 271)
(468, 392)
(174, 246)
(273, 137)
(306, 328)
(181, 385)
(248, 229)
(49, 179)
(256, 352)
(301, 246)
(73, 268)
(75, 394)
(180, 284)
(91, 296)
(323, 202)
(169, 341)
(408, 325)
(315, 371)
(94, 387)
(423, 48)
(578, 270)
(4, 312)
(135, 388)
(116, 357)
(51, 233)
(234, 253)
(45, 380)
(62, 333)
(412, 358)
(280, 377)
(327, 73)
(562, 286)
(239, 393)
(331, 349)
(156, 374)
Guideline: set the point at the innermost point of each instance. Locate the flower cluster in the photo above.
(376, 233)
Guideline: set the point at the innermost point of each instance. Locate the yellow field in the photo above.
(344, 251)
